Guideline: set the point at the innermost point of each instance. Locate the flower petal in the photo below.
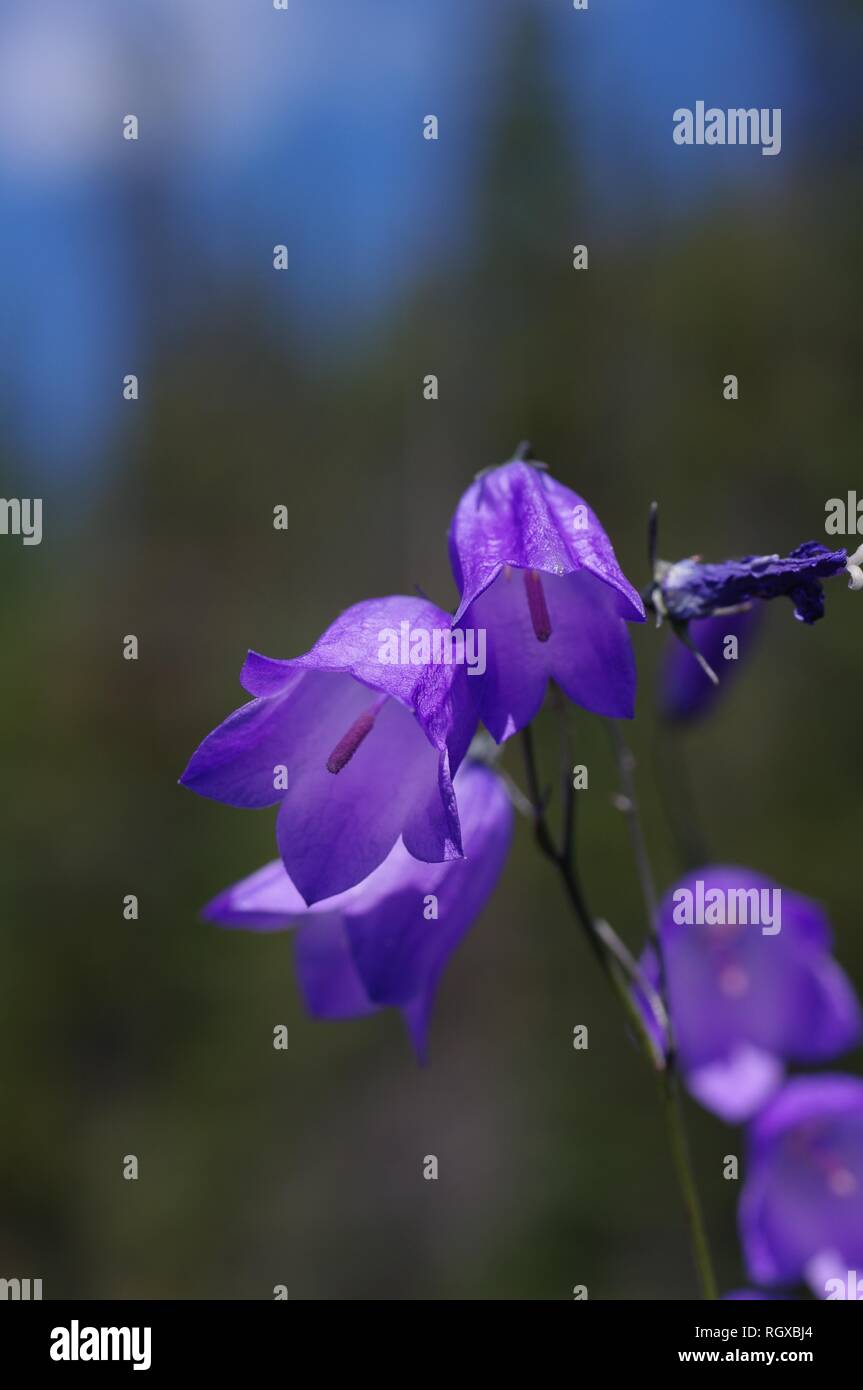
(737, 1087)
(333, 830)
(236, 763)
(328, 979)
(399, 950)
(519, 515)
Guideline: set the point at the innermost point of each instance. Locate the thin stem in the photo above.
(567, 834)
(670, 1086)
(678, 797)
(627, 803)
(622, 975)
(673, 1112)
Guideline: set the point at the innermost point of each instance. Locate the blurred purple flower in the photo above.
(744, 1002)
(690, 589)
(382, 942)
(367, 747)
(536, 570)
(685, 691)
(801, 1210)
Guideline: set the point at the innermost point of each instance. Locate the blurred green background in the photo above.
(154, 1037)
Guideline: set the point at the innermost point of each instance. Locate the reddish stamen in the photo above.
(350, 742)
(537, 605)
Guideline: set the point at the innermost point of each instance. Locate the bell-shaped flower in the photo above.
(801, 1209)
(686, 692)
(357, 742)
(385, 941)
(751, 985)
(538, 575)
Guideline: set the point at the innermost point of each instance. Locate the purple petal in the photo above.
(235, 763)
(733, 985)
(333, 831)
(834, 1019)
(739, 1085)
(376, 937)
(685, 691)
(588, 652)
(355, 645)
(519, 515)
(803, 1197)
(265, 901)
(806, 1099)
(744, 1002)
(327, 976)
(398, 949)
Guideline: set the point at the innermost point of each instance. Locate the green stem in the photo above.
(672, 1104)
(678, 797)
(673, 1113)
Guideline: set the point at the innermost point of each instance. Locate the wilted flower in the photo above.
(536, 570)
(751, 985)
(385, 941)
(356, 748)
(690, 589)
(685, 691)
(801, 1210)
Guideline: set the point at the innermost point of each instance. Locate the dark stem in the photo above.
(622, 973)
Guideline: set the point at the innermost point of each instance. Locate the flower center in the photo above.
(842, 1182)
(537, 605)
(733, 981)
(350, 741)
(838, 1178)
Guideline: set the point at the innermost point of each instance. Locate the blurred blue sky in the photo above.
(259, 126)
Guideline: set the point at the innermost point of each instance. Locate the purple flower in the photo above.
(385, 941)
(356, 741)
(537, 572)
(685, 691)
(690, 589)
(801, 1211)
(751, 984)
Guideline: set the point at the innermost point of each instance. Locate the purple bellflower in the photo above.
(357, 742)
(686, 693)
(385, 941)
(801, 1210)
(751, 985)
(537, 572)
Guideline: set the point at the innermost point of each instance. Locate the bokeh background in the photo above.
(407, 257)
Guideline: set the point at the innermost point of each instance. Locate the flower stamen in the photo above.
(537, 605)
(350, 741)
